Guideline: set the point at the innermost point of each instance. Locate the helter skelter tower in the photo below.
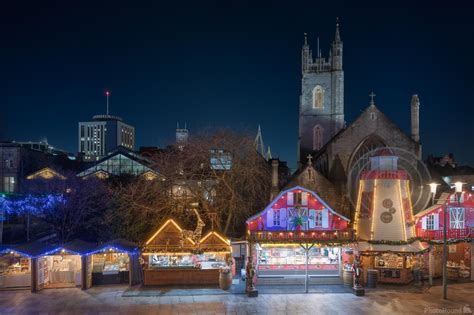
(384, 219)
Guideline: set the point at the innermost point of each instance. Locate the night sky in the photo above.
(234, 64)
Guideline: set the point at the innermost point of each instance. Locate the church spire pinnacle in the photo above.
(258, 143)
(306, 39)
(337, 38)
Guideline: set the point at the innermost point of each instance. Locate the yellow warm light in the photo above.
(182, 253)
(358, 205)
(100, 174)
(373, 211)
(412, 218)
(403, 210)
(280, 245)
(150, 175)
(216, 234)
(46, 173)
(170, 221)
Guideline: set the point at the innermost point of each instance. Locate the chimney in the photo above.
(275, 189)
(415, 118)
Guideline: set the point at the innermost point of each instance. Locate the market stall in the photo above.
(298, 239)
(385, 223)
(290, 260)
(171, 256)
(115, 262)
(65, 266)
(15, 269)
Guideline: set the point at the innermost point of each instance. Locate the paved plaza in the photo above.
(111, 300)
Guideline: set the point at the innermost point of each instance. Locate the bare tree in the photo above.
(80, 208)
(219, 172)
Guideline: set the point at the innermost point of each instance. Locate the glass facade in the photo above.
(117, 165)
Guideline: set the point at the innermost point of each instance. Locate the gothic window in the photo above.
(317, 137)
(318, 97)
(373, 116)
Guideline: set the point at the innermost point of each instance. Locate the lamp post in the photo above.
(458, 191)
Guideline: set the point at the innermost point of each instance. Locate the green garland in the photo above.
(413, 239)
(384, 242)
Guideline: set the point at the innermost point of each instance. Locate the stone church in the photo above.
(330, 151)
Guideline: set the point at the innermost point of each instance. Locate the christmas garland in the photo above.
(384, 242)
(413, 239)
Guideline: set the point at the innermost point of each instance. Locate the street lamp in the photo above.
(458, 190)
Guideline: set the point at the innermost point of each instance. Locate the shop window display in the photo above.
(14, 271)
(203, 261)
(292, 261)
(61, 271)
(110, 268)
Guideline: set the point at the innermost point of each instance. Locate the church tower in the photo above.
(321, 113)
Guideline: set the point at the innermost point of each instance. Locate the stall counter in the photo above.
(15, 280)
(181, 276)
(387, 275)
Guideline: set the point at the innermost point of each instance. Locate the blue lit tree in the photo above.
(68, 206)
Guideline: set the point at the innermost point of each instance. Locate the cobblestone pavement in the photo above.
(109, 300)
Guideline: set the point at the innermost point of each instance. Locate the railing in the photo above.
(451, 234)
(305, 236)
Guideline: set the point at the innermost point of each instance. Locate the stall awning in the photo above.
(169, 238)
(119, 245)
(34, 249)
(79, 247)
(5, 248)
(214, 242)
(412, 248)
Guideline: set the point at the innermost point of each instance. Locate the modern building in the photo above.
(102, 135)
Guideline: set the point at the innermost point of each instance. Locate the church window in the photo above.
(317, 137)
(372, 116)
(318, 97)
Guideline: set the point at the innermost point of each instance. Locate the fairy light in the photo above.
(170, 221)
(359, 200)
(412, 218)
(402, 208)
(373, 211)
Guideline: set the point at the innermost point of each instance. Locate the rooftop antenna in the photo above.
(107, 94)
(319, 53)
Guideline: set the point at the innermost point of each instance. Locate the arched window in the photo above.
(318, 97)
(317, 137)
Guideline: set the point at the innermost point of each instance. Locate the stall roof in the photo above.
(213, 241)
(411, 248)
(34, 249)
(118, 244)
(169, 237)
(79, 247)
(5, 248)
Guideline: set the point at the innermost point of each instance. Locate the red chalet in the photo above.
(296, 235)
(460, 230)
